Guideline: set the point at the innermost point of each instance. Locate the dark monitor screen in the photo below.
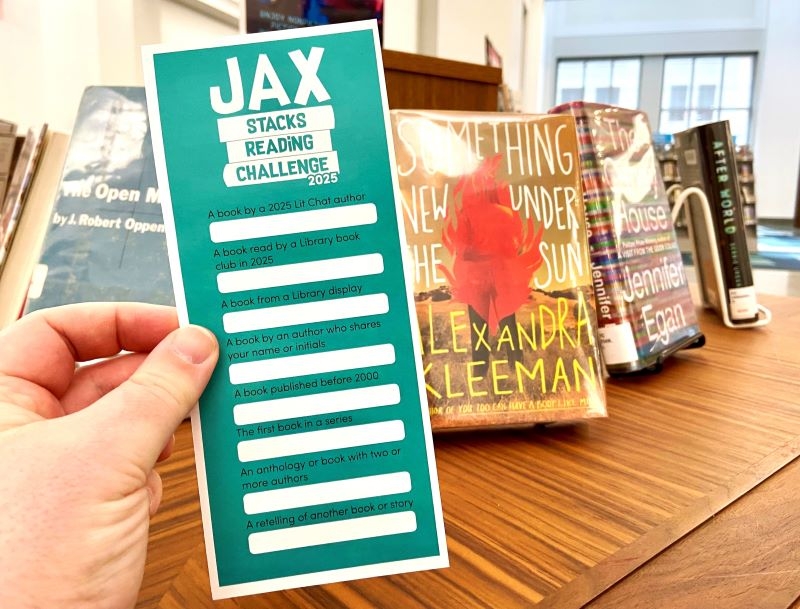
(271, 15)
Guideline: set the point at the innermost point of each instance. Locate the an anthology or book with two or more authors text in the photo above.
(706, 160)
(105, 240)
(496, 229)
(644, 304)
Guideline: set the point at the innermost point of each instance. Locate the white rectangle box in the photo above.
(350, 489)
(305, 313)
(300, 272)
(318, 441)
(292, 223)
(332, 532)
(316, 404)
(311, 363)
(248, 126)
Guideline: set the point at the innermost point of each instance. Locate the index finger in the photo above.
(44, 346)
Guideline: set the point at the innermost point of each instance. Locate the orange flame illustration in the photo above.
(495, 252)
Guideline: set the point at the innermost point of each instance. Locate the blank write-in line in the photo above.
(332, 532)
(300, 272)
(350, 489)
(260, 227)
(305, 313)
(311, 363)
(316, 404)
(306, 442)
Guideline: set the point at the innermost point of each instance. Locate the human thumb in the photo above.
(138, 418)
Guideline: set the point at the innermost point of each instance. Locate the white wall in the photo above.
(776, 154)
(54, 49)
(46, 60)
(462, 26)
(401, 21)
(182, 25)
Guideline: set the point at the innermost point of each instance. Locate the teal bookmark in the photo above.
(275, 164)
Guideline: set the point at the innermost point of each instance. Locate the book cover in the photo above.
(17, 193)
(105, 240)
(17, 271)
(313, 442)
(496, 230)
(706, 160)
(8, 140)
(645, 307)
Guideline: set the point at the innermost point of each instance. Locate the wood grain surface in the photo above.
(749, 552)
(431, 83)
(555, 516)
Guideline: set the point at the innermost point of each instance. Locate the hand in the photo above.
(78, 446)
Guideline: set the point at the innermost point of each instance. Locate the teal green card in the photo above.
(313, 443)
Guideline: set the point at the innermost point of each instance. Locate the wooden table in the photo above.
(683, 497)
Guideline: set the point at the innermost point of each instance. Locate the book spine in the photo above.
(722, 191)
(615, 328)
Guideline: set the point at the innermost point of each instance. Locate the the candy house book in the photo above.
(105, 240)
(644, 304)
(706, 160)
(496, 232)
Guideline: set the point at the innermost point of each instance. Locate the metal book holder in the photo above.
(764, 314)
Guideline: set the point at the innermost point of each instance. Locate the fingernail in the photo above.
(194, 344)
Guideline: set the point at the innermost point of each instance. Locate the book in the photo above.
(17, 192)
(313, 441)
(496, 229)
(645, 307)
(17, 272)
(8, 149)
(105, 240)
(706, 160)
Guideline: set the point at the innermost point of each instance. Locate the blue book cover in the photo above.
(312, 439)
(106, 237)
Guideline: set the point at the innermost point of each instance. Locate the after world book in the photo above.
(496, 231)
(645, 307)
(706, 160)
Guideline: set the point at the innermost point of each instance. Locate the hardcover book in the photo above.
(8, 147)
(645, 307)
(106, 240)
(15, 276)
(496, 230)
(706, 160)
(18, 187)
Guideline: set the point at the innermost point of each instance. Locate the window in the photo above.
(708, 88)
(608, 81)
